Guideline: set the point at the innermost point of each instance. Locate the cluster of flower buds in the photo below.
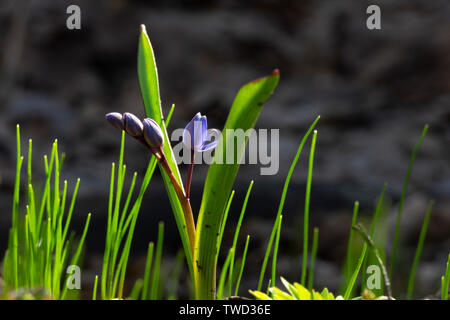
(147, 132)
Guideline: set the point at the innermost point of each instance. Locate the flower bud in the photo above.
(133, 126)
(153, 134)
(115, 119)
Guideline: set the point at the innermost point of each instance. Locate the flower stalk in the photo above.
(149, 134)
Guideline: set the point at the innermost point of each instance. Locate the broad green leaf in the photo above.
(279, 294)
(302, 292)
(148, 80)
(290, 288)
(219, 181)
(316, 295)
(260, 295)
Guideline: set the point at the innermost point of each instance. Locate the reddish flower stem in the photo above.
(189, 175)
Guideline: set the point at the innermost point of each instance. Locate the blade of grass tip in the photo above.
(267, 254)
(236, 235)
(148, 267)
(30, 149)
(293, 164)
(446, 281)
(94, 291)
(45, 195)
(134, 295)
(169, 116)
(423, 232)
(71, 207)
(32, 206)
(241, 271)
(348, 259)
(269, 285)
(175, 276)
(63, 158)
(306, 212)
(275, 252)
(223, 223)
(56, 198)
(156, 268)
(402, 199)
(223, 275)
(313, 258)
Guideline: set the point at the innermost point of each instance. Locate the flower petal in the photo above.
(204, 128)
(210, 145)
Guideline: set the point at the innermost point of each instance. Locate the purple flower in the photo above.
(115, 119)
(153, 134)
(195, 135)
(133, 126)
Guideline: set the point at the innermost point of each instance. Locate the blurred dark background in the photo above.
(375, 90)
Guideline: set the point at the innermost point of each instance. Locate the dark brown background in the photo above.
(375, 90)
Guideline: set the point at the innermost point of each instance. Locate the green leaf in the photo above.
(302, 292)
(219, 181)
(279, 294)
(260, 295)
(148, 80)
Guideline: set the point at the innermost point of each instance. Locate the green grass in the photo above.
(121, 223)
(313, 258)
(235, 239)
(282, 201)
(39, 248)
(402, 200)
(306, 213)
(423, 232)
(445, 281)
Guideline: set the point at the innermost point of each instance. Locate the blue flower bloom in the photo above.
(195, 135)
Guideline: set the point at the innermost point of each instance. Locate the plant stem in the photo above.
(184, 200)
(189, 175)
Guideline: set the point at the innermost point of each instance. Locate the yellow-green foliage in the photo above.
(295, 292)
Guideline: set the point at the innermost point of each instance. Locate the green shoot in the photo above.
(445, 281)
(236, 235)
(423, 232)
(313, 258)
(157, 266)
(223, 274)
(268, 250)
(306, 213)
(148, 267)
(349, 259)
(244, 256)
(402, 199)
(275, 252)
